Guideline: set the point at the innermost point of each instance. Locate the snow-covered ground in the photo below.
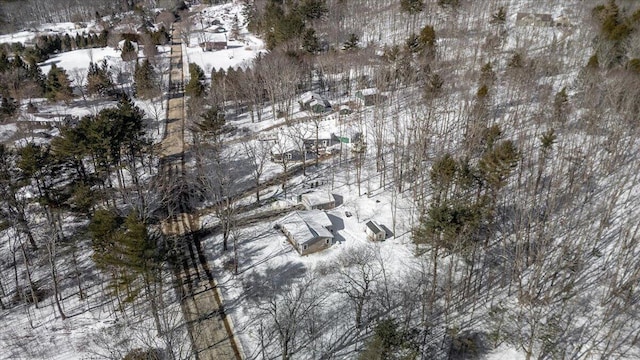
(240, 51)
(270, 269)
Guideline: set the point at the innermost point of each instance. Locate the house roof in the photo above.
(307, 226)
(283, 144)
(318, 198)
(317, 216)
(367, 91)
(374, 227)
(308, 96)
(311, 98)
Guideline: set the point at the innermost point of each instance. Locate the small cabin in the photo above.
(375, 232)
(370, 96)
(217, 42)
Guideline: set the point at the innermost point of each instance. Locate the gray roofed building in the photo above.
(308, 231)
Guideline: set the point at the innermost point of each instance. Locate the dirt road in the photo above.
(209, 326)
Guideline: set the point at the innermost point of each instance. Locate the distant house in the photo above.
(267, 136)
(370, 96)
(375, 232)
(322, 200)
(308, 231)
(531, 19)
(286, 155)
(284, 149)
(321, 143)
(314, 102)
(345, 110)
(215, 42)
(220, 30)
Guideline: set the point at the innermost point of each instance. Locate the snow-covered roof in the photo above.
(307, 226)
(311, 96)
(283, 144)
(368, 91)
(315, 198)
(318, 216)
(216, 37)
(374, 227)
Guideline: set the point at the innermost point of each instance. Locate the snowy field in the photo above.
(240, 51)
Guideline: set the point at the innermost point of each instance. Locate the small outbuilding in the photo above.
(375, 232)
(322, 200)
(370, 96)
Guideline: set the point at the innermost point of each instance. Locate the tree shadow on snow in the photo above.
(273, 280)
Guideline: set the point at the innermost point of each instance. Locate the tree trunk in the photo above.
(51, 249)
(26, 264)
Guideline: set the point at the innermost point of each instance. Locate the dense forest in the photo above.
(506, 152)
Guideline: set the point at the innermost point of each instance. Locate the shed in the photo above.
(375, 232)
(370, 96)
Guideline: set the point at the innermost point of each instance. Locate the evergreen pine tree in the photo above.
(427, 38)
(195, 86)
(144, 81)
(66, 43)
(412, 6)
(352, 42)
(58, 86)
(4, 61)
(310, 42)
(98, 78)
(8, 108)
(128, 51)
